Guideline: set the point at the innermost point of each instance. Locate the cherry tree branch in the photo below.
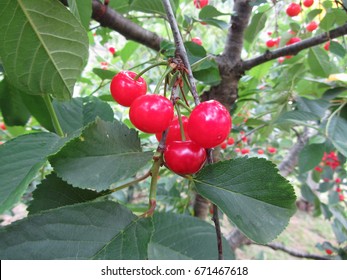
(108, 17)
(295, 48)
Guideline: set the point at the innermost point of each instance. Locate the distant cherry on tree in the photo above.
(308, 3)
(199, 4)
(125, 89)
(197, 41)
(293, 9)
(311, 26)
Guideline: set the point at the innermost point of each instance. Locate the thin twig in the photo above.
(180, 49)
(294, 253)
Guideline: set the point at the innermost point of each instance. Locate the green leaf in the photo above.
(72, 232)
(38, 109)
(251, 193)
(121, 6)
(318, 61)
(337, 48)
(104, 74)
(194, 52)
(128, 50)
(12, 107)
(209, 11)
(53, 192)
(129, 244)
(312, 14)
(104, 154)
(335, 92)
(82, 11)
(38, 57)
(297, 117)
(207, 71)
(180, 237)
(336, 132)
(316, 106)
(152, 6)
(21, 159)
(310, 156)
(257, 24)
(79, 112)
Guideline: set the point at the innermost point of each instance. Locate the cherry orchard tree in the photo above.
(92, 169)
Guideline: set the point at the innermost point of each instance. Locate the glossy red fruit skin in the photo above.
(124, 89)
(270, 43)
(151, 113)
(209, 124)
(199, 4)
(174, 133)
(293, 9)
(308, 3)
(328, 251)
(293, 41)
(327, 46)
(2, 126)
(184, 157)
(197, 41)
(312, 26)
(245, 151)
(260, 152)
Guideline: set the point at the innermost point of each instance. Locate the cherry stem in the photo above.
(52, 113)
(180, 122)
(137, 180)
(180, 49)
(181, 103)
(158, 160)
(149, 68)
(167, 71)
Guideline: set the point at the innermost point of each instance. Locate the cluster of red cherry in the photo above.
(331, 159)
(207, 126)
(294, 10)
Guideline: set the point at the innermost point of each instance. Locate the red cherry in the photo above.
(328, 251)
(197, 40)
(293, 9)
(341, 197)
(209, 124)
(174, 133)
(338, 180)
(245, 151)
(231, 141)
(244, 139)
(326, 180)
(184, 157)
(311, 26)
(223, 146)
(112, 50)
(308, 3)
(281, 59)
(327, 46)
(318, 169)
(338, 189)
(2, 126)
(260, 152)
(125, 89)
(270, 43)
(151, 113)
(199, 4)
(271, 150)
(237, 150)
(293, 41)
